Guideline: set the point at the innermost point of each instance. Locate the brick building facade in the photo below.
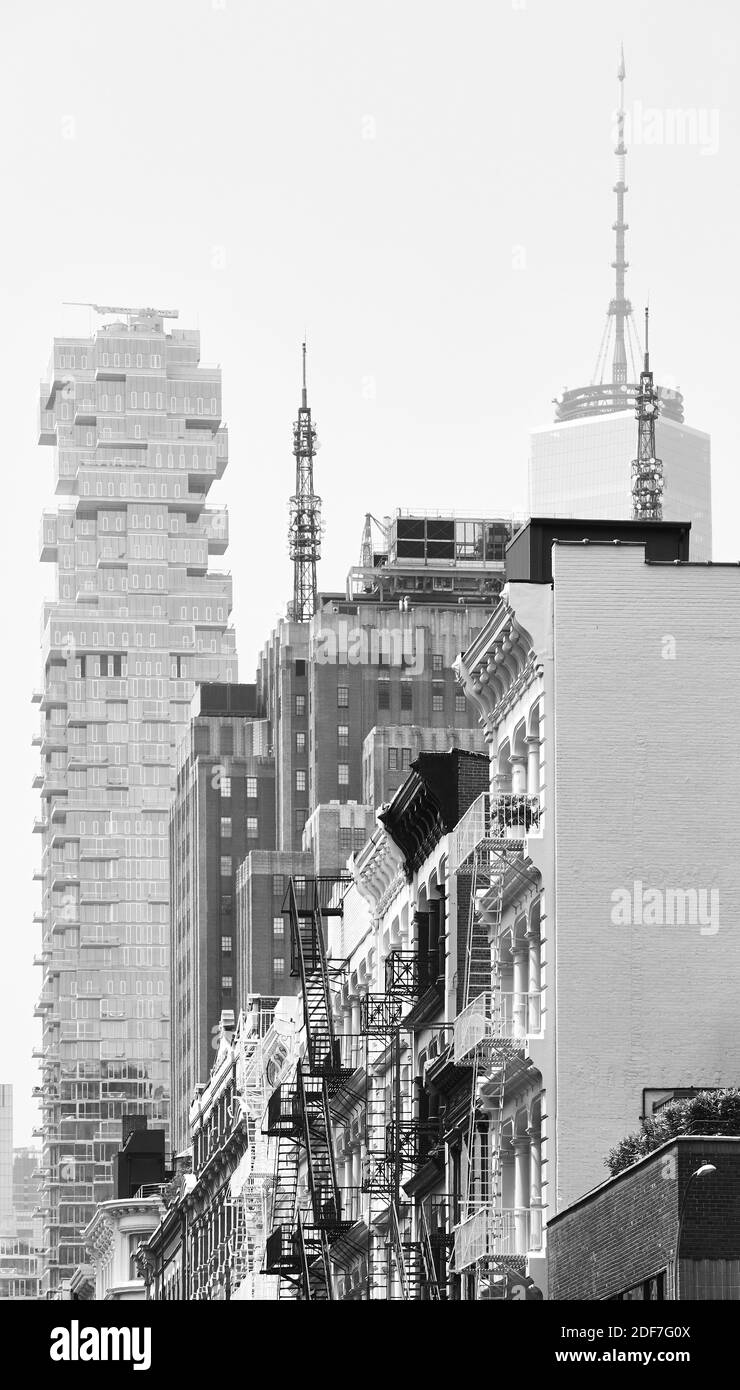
(619, 1241)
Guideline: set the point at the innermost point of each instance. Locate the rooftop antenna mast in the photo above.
(619, 321)
(620, 307)
(304, 536)
(647, 470)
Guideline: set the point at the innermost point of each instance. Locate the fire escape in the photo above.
(490, 1032)
(298, 1113)
(396, 1140)
(261, 1051)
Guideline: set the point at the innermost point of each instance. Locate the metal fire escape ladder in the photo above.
(428, 1261)
(283, 1121)
(309, 951)
(414, 1260)
(322, 1176)
(380, 1016)
(481, 1025)
(313, 1256)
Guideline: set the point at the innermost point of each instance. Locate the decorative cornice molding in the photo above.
(497, 669)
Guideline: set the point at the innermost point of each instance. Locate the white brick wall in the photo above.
(646, 787)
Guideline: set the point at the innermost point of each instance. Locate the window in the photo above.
(300, 668)
(343, 774)
(437, 662)
(438, 696)
(252, 788)
(278, 966)
(300, 743)
(300, 779)
(225, 786)
(384, 693)
(277, 884)
(226, 866)
(406, 695)
(225, 944)
(300, 820)
(345, 839)
(460, 704)
(278, 927)
(226, 826)
(300, 706)
(252, 828)
(226, 982)
(343, 735)
(392, 759)
(343, 697)
(405, 759)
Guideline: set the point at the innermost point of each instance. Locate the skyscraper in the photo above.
(224, 807)
(6, 1154)
(581, 466)
(137, 619)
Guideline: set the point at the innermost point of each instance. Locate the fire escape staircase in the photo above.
(299, 1245)
(482, 1039)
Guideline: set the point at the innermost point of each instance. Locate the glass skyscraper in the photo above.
(137, 619)
(582, 468)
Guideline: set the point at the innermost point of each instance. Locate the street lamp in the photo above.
(704, 1171)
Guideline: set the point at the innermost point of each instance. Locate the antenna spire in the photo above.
(620, 307)
(304, 535)
(647, 470)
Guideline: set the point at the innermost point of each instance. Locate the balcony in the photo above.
(48, 538)
(491, 1234)
(493, 821)
(284, 1114)
(55, 782)
(325, 893)
(216, 531)
(85, 411)
(497, 1018)
(54, 695)
(54, 739)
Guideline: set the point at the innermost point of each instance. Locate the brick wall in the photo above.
(646, 753)
(625, 1231)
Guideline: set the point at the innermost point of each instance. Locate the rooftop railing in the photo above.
(488, 1233)
(509, 815)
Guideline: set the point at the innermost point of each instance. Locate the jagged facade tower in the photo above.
(137, 620)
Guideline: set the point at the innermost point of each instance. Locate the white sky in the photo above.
(217, 161)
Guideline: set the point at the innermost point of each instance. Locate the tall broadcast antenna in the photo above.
(614, 383)
(304, 535)
(647, 470)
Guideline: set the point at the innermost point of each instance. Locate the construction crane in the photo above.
(118, 309)
(366, 544)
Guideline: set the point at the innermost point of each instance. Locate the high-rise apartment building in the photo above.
(224, 807)
(6, 1154)
(137, 619)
